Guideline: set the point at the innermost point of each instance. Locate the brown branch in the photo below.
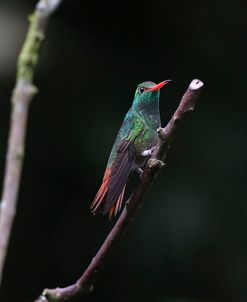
(84, 285)
(22, 95)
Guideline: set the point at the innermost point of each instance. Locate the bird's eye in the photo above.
(141, 90)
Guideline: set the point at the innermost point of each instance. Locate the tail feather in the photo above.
(98, 204)
(117, 206)
(110, 195)
(99, 198)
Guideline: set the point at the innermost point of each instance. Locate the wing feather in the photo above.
(121, 170)
(120, 163)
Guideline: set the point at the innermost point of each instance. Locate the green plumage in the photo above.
(141, 121)
(135, 140)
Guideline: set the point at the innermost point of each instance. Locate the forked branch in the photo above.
(84, 285)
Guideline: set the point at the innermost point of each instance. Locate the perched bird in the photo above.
(134, 144)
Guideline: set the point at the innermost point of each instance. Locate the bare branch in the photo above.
(185, 107)
(22, 95)
(84, 285)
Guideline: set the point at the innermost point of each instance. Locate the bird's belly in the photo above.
(147, 141)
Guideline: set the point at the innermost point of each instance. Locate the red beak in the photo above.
(159, 86)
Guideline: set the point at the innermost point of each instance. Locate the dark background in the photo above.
(189, 241)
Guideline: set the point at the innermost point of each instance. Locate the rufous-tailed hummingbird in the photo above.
(134, 144)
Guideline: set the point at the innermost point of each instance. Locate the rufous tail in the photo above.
(98, 204)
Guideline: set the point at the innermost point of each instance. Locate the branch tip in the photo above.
(159, 130)
(161, 133)
(47, 7)
(196, 84)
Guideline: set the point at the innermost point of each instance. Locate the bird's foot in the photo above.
(139, 172)
(148, 152)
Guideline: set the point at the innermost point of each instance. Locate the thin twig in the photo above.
(84, 285)
(21, 97)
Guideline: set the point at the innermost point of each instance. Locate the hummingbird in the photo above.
(133, 146)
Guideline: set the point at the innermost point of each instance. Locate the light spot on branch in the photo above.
(3, 205)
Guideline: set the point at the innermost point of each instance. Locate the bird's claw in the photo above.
(152, 149)
(140, 172)
(148, 152)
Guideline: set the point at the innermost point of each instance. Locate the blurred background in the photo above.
(189, 241)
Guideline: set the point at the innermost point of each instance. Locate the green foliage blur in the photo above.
(188, 243)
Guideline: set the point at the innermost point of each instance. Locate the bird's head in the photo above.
(148, 92)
